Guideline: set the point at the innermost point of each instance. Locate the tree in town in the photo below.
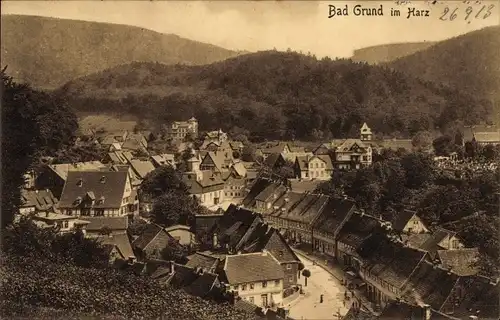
(444, 145)
(248, 153)
(419, 170)
(162, 180)
(174, 207)
(306, 273)
(422, 140)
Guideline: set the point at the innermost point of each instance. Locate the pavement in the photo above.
(308, 305)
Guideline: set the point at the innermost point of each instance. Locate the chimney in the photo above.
(47, 214)
(473, 317)
(264, 253)
(427, 312)
(36, 191)
(172, 267)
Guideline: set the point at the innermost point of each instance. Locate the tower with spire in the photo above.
(366, 133)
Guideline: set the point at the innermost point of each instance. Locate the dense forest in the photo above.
(469, 62)
(278, 95)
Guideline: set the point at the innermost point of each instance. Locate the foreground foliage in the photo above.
(98, 292)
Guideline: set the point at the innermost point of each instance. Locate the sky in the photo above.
(263, 25)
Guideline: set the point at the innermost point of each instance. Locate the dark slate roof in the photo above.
(148, 235)
(206, 222)
(121, 241)
(334, 214)
(460, 261)
(114, 223)
(106, 185)
(202, 286)
(272, 159)
(258, 186)
(152, 265)
(201, 260)
(42, 200)
(142, 167)
(430, 284)
(389, 260)
(271, 240)
(401, 219)
(432, 244)
(416, 240)
(274, 189)
(183, 276)
(357, 229)
(252, 267)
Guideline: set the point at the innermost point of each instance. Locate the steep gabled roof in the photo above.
(401, 219)
(334, 214)
(149, 234)
(259, 186)
(202, 286)
(107, 186)
(432, 244)
(121, 241)
(201, 260)
(357, 229)
(142, 167)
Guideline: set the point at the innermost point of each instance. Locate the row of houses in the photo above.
(398, 259)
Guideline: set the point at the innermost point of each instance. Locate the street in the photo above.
(308, 306)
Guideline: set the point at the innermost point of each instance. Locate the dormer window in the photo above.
(103, 179)
(78, 200)
(79, 183)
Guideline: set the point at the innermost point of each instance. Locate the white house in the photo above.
(262, 284)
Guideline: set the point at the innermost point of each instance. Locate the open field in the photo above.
(107, 122)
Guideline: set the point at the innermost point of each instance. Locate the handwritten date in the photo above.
(468, 14)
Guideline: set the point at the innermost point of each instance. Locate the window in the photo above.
(264, 300)
(454, 244)
(276, 283)
(365, 158)
(243, 287)
(251, 287)
(288, 266)
(251, 300)
(415, 222)
(65, 224)
(290, 278)
(264, 284)
(99, 212)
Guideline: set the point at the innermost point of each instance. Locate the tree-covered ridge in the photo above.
(469, 63)
(275, 95)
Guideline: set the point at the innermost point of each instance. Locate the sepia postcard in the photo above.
(212, 160)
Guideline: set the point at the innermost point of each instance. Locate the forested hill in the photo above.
(276, 95)
(48, 52)
(469, 62)
(388, 52)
